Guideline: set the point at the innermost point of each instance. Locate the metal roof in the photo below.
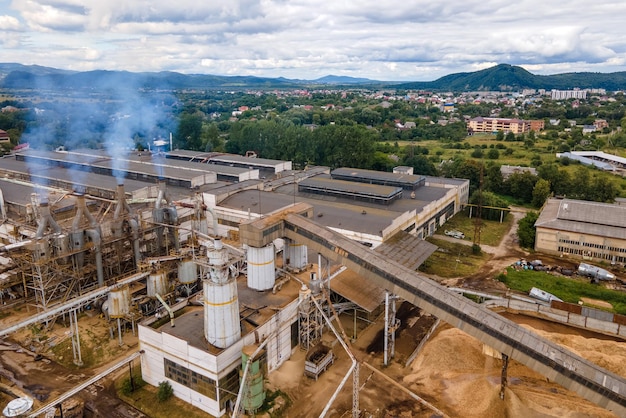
(587, 161)
(406, 249)
(250, 161)
(350, 187)
(582, 217)
(358, 174)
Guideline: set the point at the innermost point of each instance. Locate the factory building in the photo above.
(162, 235)
(582, 229)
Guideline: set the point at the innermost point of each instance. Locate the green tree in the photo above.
(165, 391)
(493, 154)
(541, 191)
(526, 230)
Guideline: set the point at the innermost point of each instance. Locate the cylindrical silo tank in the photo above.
(297, 254)
(255, 394)
(261, 268)
(187, 272)
(218, 260)
(157, 283)
(118, 303)
(221, 313)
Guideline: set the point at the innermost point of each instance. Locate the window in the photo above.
(193, 380)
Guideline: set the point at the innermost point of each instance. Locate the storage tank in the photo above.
(261, 267)
(255, 394)
(118, 303)
(594, 272)
(221, 306)
(296, 254)
(157, 283)
(187, 272)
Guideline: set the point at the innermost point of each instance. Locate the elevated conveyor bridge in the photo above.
(560, 365)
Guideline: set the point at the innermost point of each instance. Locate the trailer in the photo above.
(318, 359)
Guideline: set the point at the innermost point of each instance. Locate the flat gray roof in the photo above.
(350, 187)
(106, 163)
(251, 161)
(359, 174)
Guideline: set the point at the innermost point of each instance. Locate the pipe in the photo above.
(46, 220)
(122, 206)
(94, 236)
(3, 212)
(135, 234)
(167, 307)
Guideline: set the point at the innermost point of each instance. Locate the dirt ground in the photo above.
(453, 372)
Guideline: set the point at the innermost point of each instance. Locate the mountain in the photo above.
(502, 77)
(337, 79)
(505, 77)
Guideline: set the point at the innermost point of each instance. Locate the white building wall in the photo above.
(158, 346)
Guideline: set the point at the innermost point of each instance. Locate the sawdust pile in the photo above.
(462, 381)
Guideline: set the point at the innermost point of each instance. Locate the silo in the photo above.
(157, 283)
(297, 254)
(221, 306)
(261, 267)
(118, 303)
(254, 395)
(187, 272)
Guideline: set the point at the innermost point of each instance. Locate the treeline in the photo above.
(525, 188)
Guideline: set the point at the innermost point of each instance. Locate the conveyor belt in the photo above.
(573, 372)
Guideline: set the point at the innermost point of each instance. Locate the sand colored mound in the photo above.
(452, 370)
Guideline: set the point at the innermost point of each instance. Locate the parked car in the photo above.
(455, 234)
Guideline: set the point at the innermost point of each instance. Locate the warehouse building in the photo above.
(581, 229)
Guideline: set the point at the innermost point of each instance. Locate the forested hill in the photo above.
(506, 77)
(502, 77)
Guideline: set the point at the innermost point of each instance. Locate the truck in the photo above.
(318, 359)
(596, 273)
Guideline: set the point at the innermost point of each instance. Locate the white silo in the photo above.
(157, 283)
(187, 272)
(118, 303)
(261, 267)
(221, 306)
(295, 254)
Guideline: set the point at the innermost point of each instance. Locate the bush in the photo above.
(165, 391)
(476, 250)
(129, 387)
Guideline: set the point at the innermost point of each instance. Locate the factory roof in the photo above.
(584, 217)
(406, 249)
(250, 161)
(349, 188)
(108, 165)
(331, 213)
(255, 308)
(378, 177)
(587, 161)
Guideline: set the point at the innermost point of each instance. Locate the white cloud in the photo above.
(402, 40)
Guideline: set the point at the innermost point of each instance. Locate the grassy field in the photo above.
(491, 232)
(145, 399)
(453, 259)
(568, 289)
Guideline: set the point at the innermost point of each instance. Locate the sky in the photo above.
(391, 40)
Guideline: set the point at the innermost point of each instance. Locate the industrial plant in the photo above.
(225, 266)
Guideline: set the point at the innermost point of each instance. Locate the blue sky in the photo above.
(384, 40)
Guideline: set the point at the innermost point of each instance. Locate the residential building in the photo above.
(517, 126)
